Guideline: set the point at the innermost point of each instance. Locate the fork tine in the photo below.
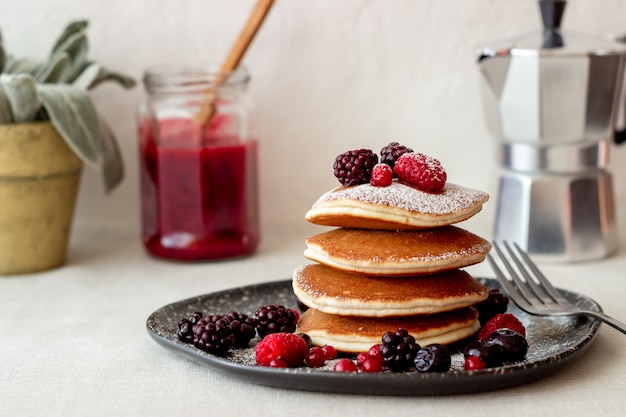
(546, 285)
(506, 284)
(521, 285)
(540, 293)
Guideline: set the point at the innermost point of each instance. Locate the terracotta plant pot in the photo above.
(39, 177)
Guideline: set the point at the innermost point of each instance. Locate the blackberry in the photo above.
(243, 327)
(213, 334)
(433, 358)
(185, 327)
(398, 350)
(355, 167)
(275, 318)
(389, 154)
(496, 303)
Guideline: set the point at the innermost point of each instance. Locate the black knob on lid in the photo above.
(551, 15)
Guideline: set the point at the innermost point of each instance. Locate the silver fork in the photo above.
(533, 293)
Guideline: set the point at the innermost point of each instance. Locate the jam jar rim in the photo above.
(173, 78)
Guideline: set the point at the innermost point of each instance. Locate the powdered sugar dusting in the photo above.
(451, 199)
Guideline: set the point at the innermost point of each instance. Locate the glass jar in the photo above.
(198, 163)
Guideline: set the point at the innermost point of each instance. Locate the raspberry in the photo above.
(389, 154)
(501, 321)
(354, 167)
(213, 334)
(473, 363)
(277, 363)
(243, 327)
(496, 303)
(275, 318)
(345, 365)
(398, 350)
(185, 327)
(424, 172)
(287, 347)
(382, 175)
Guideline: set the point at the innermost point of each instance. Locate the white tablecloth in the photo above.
(73, 342)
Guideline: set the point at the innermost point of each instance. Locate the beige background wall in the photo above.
(328, 75)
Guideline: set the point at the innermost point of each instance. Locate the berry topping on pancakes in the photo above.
(354, 167)
(421, 171)
(382, 175)
(389, 154)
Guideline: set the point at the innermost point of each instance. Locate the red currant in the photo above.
(362, 357)
(374, 353)
(330, 352)
(315, 357)
(473, 363)
(346, 365)
(371, 365)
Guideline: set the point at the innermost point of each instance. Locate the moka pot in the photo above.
(551, 99)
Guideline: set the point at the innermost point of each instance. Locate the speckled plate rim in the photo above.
(578, 333)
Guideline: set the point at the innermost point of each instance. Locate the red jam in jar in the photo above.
(198, 180)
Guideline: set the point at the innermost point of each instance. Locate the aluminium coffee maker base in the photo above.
(557, 217)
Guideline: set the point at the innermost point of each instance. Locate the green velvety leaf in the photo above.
(76, 47)
(2, 53)
(57, 70)
(21, 93)
(21, 66)
(5, 107)
(72, 113)
(70, 30)
(106, 75)
(112, 162)
(103, 75)
(87, 76)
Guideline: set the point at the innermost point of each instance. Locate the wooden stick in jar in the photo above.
(236, 54)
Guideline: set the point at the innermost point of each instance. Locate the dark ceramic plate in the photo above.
(553, 343)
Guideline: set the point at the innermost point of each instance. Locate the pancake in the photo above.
(336, 292)
(390, 253)
(357, 334)
(396, 207)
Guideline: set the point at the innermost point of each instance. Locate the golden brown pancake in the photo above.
(392, 253)
(396, 207)
(357, 334)
(336, 292)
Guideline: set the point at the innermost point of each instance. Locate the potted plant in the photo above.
(49, 128)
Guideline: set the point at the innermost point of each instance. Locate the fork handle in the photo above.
(616, 324)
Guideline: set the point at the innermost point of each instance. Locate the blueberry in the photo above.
(489, 353)
(433, 358)
(472, 349)
(513, 345)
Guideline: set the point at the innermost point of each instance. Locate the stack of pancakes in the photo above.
(392, 261)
